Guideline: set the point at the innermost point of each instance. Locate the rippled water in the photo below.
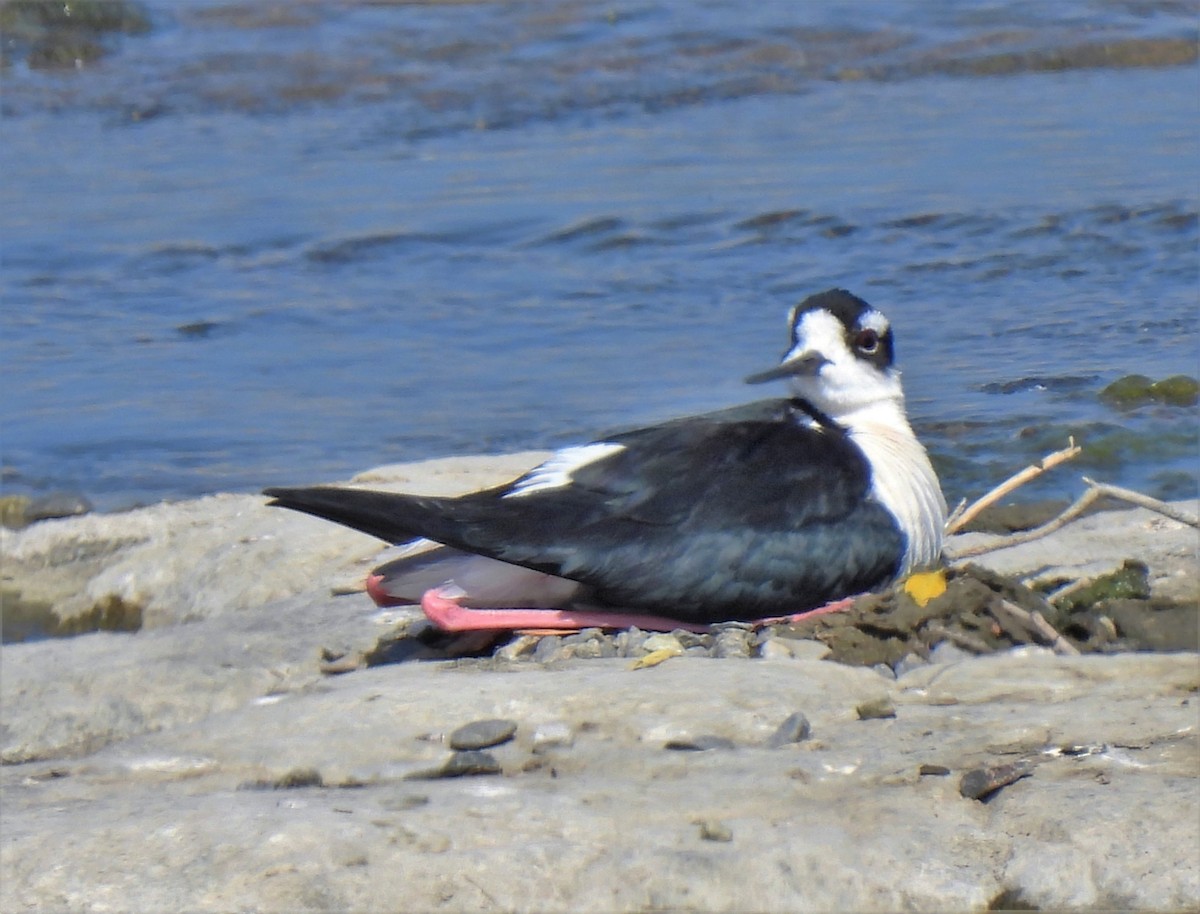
(280, 244)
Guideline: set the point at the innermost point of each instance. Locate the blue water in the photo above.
(245, 250)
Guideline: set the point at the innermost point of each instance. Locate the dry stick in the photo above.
(1080, 505)
(1145, 501)
(1096, 491)
(1036, 622)
(960, 519)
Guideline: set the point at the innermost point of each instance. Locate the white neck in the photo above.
(902, 479)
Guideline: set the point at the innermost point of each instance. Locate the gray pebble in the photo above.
(692, 639)
(908, 663)
(884, 670)
(774, 649)
(946, 652)
(461, 764)
(732, 642)
(795, 729)
(481, 734)
(629, 642)
(699, 743)
(584, 650)
(547, 648)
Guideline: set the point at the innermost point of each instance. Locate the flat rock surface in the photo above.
(206, 763)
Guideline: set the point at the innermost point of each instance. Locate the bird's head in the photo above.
(841, 359)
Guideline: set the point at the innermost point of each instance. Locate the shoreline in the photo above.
(210, 755)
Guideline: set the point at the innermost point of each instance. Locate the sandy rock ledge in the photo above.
(205, 763)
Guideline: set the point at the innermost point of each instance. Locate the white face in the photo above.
(850, 379)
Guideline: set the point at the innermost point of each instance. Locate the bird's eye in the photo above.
(867, 341)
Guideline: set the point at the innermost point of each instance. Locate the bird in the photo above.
(774, 508)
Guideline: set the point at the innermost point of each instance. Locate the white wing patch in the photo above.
(556, 472)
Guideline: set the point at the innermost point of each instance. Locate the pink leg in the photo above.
(450, 616)
(836, 606)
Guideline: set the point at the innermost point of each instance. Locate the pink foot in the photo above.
(381, 597)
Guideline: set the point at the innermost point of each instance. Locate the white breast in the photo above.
(903, 480)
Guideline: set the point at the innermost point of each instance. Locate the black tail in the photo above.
(387, 515)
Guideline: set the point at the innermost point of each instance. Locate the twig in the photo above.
(1145, 501)
(952, 520)
(1080, 505)
(1036, 622)
(1096, 491)
(958, 520)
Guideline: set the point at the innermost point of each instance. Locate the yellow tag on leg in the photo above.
(925, 586)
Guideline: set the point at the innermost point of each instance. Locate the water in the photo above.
(275, 245)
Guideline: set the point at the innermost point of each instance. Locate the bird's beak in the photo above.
(806, 363)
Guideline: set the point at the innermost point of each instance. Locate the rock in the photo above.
(732, 641)
(715, 830)
(982, 783)
(461, 764)
(18, 511)
(139, 740)
(794, 729)
(700, 743)
(547, 649)
(876, 709)
(483, 734)
(662, 642)
(774, 649)
(553, 734)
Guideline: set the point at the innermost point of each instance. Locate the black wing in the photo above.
(740, 513)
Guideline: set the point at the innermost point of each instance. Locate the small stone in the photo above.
(809, 649)
(553, 734)
(947, 652)
(547, 648)
(908, 663)
(583, 650)
(699, 743)
(884, 670)
(299, 777)
(693, 639)
(876, 709)
(715, 830)
(774, 649)
(982, 783)
(732, 642)
(461, 764)
(629, 642)
(520, 646)
(939, 771)
(795, 729)
(662, 642)
(483, 734)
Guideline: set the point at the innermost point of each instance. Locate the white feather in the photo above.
(557, 471)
